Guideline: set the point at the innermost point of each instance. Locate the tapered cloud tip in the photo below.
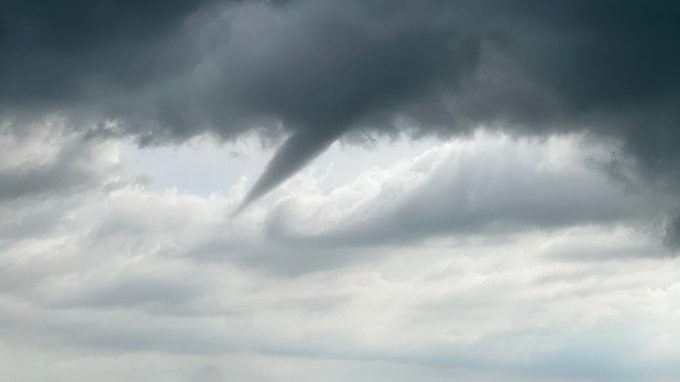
(298, 150)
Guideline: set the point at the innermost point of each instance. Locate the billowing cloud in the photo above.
(323, 69)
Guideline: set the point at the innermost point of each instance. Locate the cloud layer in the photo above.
(123, 281)
(320, 70)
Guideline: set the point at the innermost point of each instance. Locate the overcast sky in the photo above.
(342, 191)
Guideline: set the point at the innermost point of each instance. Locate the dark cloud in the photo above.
(672, 238)
(321, 69)
(67, 53)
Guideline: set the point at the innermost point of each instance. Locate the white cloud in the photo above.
(141, 284)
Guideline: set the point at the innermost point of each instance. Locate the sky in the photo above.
(357, 190)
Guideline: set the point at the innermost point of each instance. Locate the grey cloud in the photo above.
(322, 69)
(325, 68)
(67, 53)
(208, 374)
(65, 173)
(27, 218)
(154, 293)
(276, 256)
(492, 188)
(672, 238)
(44, 159)
(605, 252)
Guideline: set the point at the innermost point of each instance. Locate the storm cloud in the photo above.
(319, 70)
